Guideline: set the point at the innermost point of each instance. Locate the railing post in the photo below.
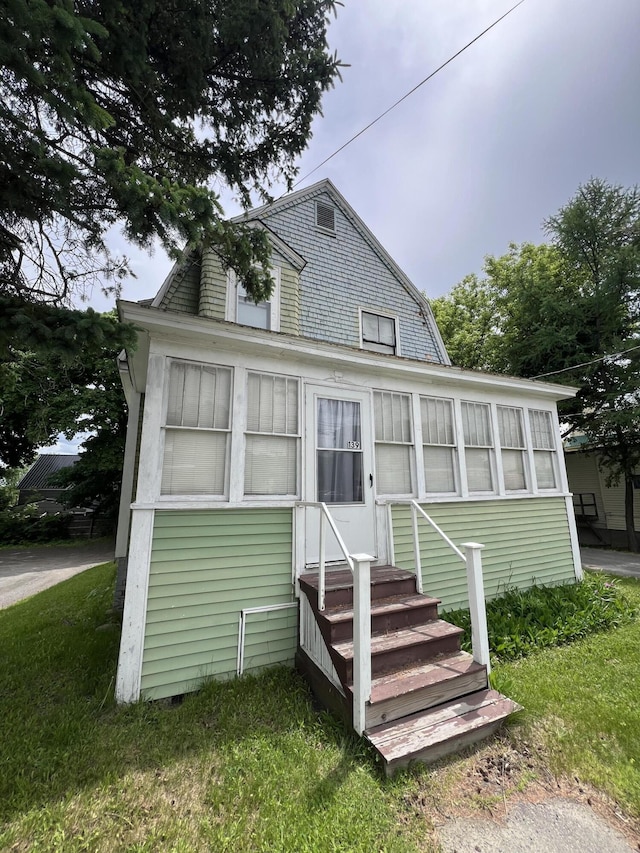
(321, 572)
(361, 638)
(416, 547)
(477, 608)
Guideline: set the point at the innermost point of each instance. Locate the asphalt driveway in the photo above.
(26, 571)
(621, 563)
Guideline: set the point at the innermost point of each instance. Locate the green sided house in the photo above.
(309, 478)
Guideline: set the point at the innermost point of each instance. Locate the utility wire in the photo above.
(404, 97)
(587, 363)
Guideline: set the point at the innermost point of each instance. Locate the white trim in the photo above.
(573, 533)
(134, 618)
(242, 623)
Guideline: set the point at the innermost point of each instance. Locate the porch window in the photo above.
(513, 448)
(438, 444)
(272, 437)
(196, 442)
(543, 448)
(378, 333)
(478, 441)
(394, 442)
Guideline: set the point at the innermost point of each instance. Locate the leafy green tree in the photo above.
(115, 111)
(568, 311)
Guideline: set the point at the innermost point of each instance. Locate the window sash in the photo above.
(511, 428)
(513, 470)
(479, 473)
(378, 332)
(199, 396)
(439, 469)
(195, 462)
(476, 424)
(541, 430)
(545, 469)
(437, 421)
(271, 465)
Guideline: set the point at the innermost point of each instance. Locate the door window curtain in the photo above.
(339, 451)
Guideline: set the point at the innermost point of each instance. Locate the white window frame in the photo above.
(231, 307)
(455, 456)
(410, 444)
(552, 451)
(297, 437)
(378, 313)
(222, 497)
(523, 450)
(491, 448)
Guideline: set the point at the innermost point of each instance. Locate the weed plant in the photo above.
(523, 621)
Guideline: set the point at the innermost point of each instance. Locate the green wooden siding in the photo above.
(526, 541)
(184, 290)
(206, 566)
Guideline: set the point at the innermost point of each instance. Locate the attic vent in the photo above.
(326, 216)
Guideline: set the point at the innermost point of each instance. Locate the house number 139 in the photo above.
(353, 445)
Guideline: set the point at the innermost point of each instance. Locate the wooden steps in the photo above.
(428, 698)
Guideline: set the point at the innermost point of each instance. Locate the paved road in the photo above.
(24, 572)
(617, 562)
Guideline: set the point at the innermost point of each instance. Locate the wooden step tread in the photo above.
(417, 677)
(343, 578)
(380, 607)
(416, 734)
(435, 629)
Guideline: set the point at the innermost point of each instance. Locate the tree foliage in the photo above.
(569, 312)
(113, 111)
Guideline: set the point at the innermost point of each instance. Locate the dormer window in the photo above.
(243, 310)
(326, 217)
(378, 332)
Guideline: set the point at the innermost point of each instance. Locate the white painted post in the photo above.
(416, 547)
(361, 638)
(391, 548)
(321, 567)
(477, 609)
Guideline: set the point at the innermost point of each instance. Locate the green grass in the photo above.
(244, 765)
(251, 764)
(583, 702)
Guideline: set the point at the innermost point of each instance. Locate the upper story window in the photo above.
(513, 447)
(379, 332)
(394, 442)
(543, 448)
(478, 442)
(326, 217)
(197, 432)
(438, 444)
(242, 309)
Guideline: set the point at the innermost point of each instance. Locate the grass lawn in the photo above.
(251, 764)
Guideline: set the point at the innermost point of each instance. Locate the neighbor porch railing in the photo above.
(473, 560)
(360, 565)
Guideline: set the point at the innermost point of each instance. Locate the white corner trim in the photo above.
(134, 619)
(573, 533)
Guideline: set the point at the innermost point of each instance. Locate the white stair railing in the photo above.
(360, 565)
(472, 557)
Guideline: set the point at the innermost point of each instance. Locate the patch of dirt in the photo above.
(500, 775)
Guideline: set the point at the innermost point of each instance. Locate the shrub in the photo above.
(19, 524)
(522, 621)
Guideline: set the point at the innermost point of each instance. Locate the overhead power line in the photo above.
(587, 363)
(408, 94)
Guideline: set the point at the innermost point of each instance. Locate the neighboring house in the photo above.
(244, 417)
(599, 508)
(35, 486)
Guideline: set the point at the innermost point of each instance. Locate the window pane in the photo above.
(378, 332)
(339, 476)
(270, 465)
(438, 469)
(510, 423)
(476, 425)
(338, 423)
(272, 404)
(392, 417)
(393, 469)
(479, 470)
(387, 331)
(437, 421)
(545, 474)
(194, 462)
(513, 468)
(370, 327)
(250, 314)
(541, 430)
(199, 396)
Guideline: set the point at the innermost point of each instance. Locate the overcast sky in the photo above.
(482, 153)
